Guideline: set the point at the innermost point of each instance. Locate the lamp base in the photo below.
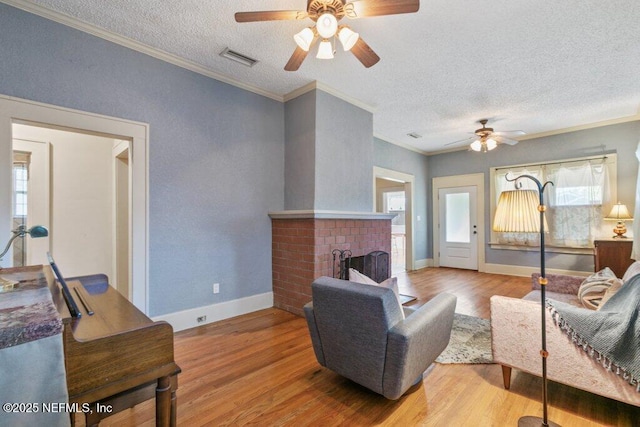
(530, 421)
(620, 230)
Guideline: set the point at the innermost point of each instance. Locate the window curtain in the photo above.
(577, 202)
(635, 252)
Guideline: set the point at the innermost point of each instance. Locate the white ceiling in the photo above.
(534, 65)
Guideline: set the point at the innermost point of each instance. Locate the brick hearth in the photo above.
(301, 249)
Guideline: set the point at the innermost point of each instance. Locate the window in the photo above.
(20, 184)
(582, 193)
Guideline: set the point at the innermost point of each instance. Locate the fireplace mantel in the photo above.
(323, 214)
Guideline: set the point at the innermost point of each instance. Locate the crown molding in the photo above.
(135, 45)
(316, 85)
(401, 144)
(579, 127)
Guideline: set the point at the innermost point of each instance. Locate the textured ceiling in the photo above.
(534, 65)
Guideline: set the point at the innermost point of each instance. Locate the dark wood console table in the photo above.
(614, 253)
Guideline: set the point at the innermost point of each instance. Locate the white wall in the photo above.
(81, 199)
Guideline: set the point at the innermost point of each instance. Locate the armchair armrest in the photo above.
(414, 343)
(313, 331)
(560, 283)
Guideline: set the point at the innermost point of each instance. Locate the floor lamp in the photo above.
(516, 212)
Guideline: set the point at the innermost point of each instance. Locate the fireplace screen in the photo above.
(374, 265)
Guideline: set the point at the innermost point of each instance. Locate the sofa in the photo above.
(516, 340)
(363, 333)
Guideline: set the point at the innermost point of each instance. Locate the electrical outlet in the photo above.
(201, 319)
(216, 288)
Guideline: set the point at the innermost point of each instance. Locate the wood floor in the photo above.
(259, 369)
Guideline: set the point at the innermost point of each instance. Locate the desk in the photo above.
(113, 359)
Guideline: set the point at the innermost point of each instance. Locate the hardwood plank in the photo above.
(259, 369)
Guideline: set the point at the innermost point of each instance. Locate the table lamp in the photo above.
(619, 213)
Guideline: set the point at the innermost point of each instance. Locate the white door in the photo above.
(458, 228)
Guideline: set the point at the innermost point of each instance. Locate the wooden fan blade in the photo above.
(510, 133)
(296, 59)
(299, 56)
(272, 15)
(364, 53)
(460, 140)
(504, 140)
(364, 8)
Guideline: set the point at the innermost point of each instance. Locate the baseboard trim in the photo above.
(423, 263)
(187, 319)
(524, 271)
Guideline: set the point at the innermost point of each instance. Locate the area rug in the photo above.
(470, 341)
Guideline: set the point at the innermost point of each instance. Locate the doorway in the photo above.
(394, 194)
(458, 222)
(18, 111)
(394, 202)
(80, 209)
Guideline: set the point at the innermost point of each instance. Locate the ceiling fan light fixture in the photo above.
(327, 25)
(325, 50)
(348, 38)
(491, 144)
(476, 145)
(304, 39)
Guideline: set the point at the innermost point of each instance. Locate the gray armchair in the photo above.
(359, 331)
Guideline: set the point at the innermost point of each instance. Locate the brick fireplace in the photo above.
(302, 242)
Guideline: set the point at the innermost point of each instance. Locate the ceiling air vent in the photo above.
(414, 135)
(238, 57)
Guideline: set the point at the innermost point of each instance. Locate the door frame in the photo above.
(474, 179)
(121, 204)
(16, 110)
(409, 185)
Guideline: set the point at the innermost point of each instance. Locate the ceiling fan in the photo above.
(485, 139)
(326, 14)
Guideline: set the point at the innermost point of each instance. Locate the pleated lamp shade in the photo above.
(517, 212)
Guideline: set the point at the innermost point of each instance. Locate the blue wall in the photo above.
(300, 152)
(216, 155)
(344, 155)
(621, 139)
(328, 154)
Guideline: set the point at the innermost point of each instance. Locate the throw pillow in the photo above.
(594, 287)
(356, 276)
(391, 283)
(615, 287)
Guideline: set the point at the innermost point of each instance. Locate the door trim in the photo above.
(409, 185)
(16, 110)
(475, 179)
